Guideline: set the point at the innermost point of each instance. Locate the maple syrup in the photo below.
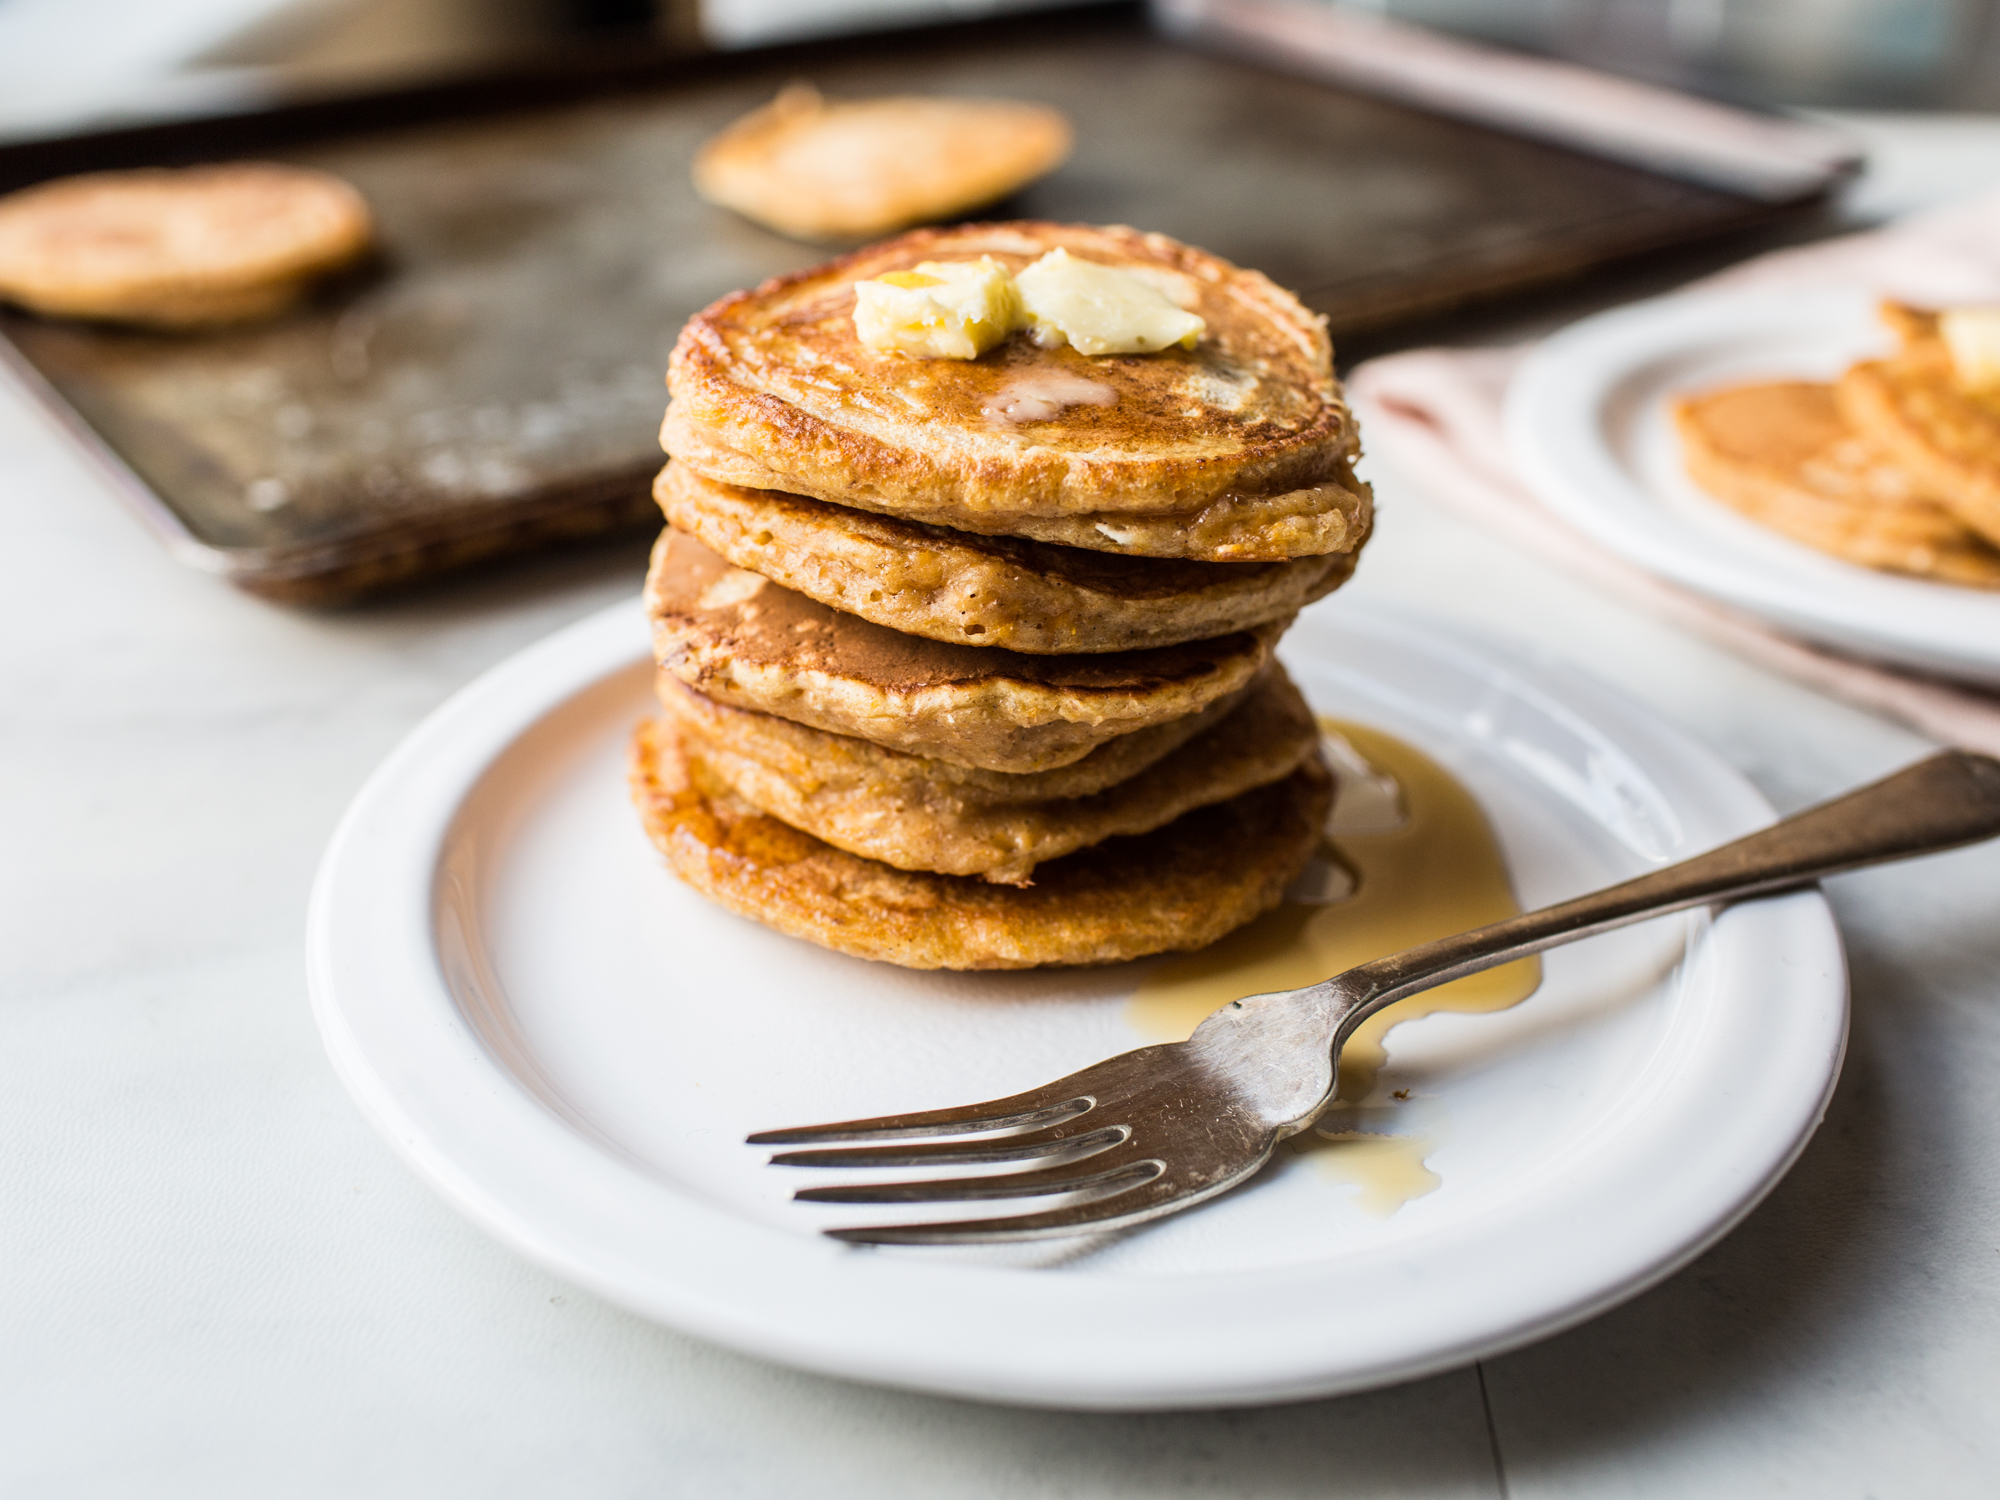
(1409, 856)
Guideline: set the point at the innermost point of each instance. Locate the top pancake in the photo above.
(1912, 407)
(1237, 450)
(177, 248)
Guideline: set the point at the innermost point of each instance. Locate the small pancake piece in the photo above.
(1179, 887)
(915, 822)
(986, 591)
(1240, 449)
(178, 248)
(1912, 407)
(848, 169)
(746, 641)
(1782, 454)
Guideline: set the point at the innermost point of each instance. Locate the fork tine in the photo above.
(1050, 1105)
(961, 1153)
(1105, 1212)
(1072, 1177)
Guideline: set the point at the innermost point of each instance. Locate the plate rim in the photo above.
(1553, 423)
(518, 693)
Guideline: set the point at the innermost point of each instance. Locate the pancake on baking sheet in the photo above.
(1178, 887)
(1782, 454)
(177, 248)
(831, 169)
(914, 822)
(752, 643)
(987, 591)
(1237, 450)
(1917, 410)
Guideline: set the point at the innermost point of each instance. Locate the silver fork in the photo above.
(1159, 1129)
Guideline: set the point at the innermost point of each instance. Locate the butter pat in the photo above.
(1973, 336)
(941, 310)
(1098, 309)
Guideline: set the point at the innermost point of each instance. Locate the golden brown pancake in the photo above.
(841, 762)
(1179, 887)
(986, 591)
(746, 641)
(1782, 454)
(830, 169)
(1912, 407)
(1239, 450)
(915, 822)
(1332, 517)
(178, 248)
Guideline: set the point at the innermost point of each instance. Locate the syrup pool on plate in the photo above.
(1409, 856)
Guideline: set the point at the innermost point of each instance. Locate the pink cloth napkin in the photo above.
(1436, 414)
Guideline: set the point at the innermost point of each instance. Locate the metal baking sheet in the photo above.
(495, 379)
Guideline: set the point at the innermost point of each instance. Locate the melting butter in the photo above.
(1972, 334)
(1099, 309)
(733, 587)
(1038, 395)
(941, 310)
(1409, 857)
(959, 309)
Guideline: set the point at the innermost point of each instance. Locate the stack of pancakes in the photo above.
(1896, 465)
(968, 663)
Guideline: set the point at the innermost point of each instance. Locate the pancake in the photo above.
(917, 823)
(1782, 454)
(835, 763)
(1912, 407)
(821, 169)
(751, 643)
(1179, 887)
(986, 591)
(1239, 450)
(179, 248)
(1331, 517)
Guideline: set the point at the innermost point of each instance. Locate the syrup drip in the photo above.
(1439, 872)
(1390, 1170)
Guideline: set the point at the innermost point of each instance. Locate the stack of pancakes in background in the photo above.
(1895, 465)
(967, 663)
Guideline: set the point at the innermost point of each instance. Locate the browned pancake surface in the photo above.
(874, 802)
(752, 643)
(989, 591)
(1179, 887)
(845, 764)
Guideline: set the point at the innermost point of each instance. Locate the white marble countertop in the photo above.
(215, 1280)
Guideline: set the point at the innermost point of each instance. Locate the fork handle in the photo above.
(1939, 803)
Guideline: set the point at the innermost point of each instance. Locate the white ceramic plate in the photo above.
(570, 1047)
(1589, 426)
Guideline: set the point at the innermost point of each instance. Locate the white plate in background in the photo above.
(1589, 426)
(570, 1046)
